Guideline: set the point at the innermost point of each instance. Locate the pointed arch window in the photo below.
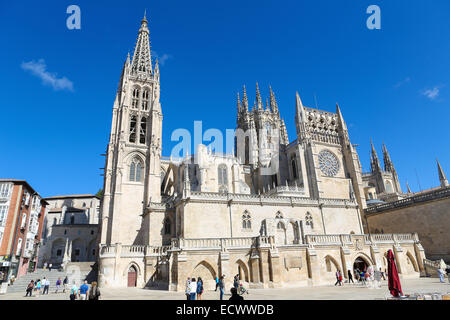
(145, 99)
(294, 168)
(246, 220)
(132, 129)
(222, 172)
(135, 98)
(247, 150)
(167, 226)
(309, 220)
(136, 170)
(280, 225)
(143, 130)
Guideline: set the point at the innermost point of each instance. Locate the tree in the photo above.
(99, 193)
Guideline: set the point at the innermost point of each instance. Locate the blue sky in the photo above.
(392, 84)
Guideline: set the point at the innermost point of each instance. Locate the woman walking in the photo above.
(193, 289)
(38, 287)
(94, 293)
(74, 292)
(188, 289)
(30, 288)
(199, 288)
(338, 278)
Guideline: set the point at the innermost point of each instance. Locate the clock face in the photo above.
(328, 163)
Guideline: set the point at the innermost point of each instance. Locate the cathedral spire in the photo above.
(442, 177)
(273, 102)
(300, 118)
(408, 189)
(375, 162)
(341, 121)
(142, 62)
(268, 106)
(300, 110)
(388, 165)
(245, 100)
(258, 98)
(239, 106)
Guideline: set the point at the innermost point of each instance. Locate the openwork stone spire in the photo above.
(142, 62)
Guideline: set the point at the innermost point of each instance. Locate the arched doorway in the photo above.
(242, 271)
(360, 264)
(132, 276)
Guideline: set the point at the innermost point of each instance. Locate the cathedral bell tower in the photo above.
(132, 169)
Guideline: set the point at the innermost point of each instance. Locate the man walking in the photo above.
(217, 283)
(221, 287)
(58, 285)
(350, 276)
(84, 288)
(49, 267)
(65, 282)
(46, 284)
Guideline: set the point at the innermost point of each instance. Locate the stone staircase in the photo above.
(76, 271)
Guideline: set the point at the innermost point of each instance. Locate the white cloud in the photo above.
(404, 81)
(431, 94)
(161, 59)
(39, 69)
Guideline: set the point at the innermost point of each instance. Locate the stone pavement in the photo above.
(346, 292)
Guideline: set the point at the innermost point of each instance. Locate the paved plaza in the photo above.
(346, 292)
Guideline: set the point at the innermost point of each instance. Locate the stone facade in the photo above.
(427, 212)
(277, 213)
(70, 232)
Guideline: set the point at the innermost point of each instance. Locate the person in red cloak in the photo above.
(394, 281)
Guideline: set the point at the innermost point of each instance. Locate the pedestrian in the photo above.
(356, 272)
(338, 278)
(46, 284)
(38, 287)
(221, 286)
(58, 285)
(377, 278)
(49, 267)
(236, 281)
(188, 289)
(367, 278)
(382, 274)
(362, 277)
(235, 295)
(12, 279)
(441, 275)
(74, 292)
(217, 283)
(447, 270)
(84, 288)
(350, 277)
(199, 288)
(94, 293)
(193, 289)
(30, 288)
(45, 265)
(65, 283)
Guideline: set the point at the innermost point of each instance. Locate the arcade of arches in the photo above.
(276, 266)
